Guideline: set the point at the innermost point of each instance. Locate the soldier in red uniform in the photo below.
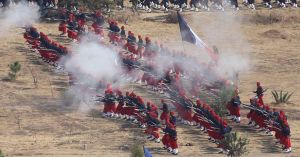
(139, 111)
(63, 28)
(131, 45)
(234, 107)
(170, 138)
(148, 48)
(120, 112)
(259, 93)
(152, 123)
(109, 102)
(129, 107)
(252, 115)
(199, 118)
(284, 133)
(165, 115)
(114, 36)
(123, 33)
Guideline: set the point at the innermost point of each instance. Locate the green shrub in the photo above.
(14, 69)
(218, 102)
(235, 144)
(1, 154)
(281, 96)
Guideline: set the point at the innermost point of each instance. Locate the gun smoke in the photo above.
(223, 30)
(93, 65)
(92, 62)
(18, 15)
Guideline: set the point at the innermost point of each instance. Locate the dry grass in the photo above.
(125, 16)
(272, 33)
(274, 17)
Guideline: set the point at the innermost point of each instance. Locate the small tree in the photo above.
(14, 69)
(235, 144)
(137, 150)
(281, 97)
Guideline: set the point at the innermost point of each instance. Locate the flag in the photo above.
(188, 35)
(147, 152)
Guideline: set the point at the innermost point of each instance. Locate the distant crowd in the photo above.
(166, 5)
(206, 5)
(42, 3)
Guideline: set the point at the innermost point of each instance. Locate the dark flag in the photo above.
(188, 35)
(185, 31)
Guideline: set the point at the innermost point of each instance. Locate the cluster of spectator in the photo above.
(196, 5)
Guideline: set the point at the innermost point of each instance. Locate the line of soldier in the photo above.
(133, 108)
(283, 139)
(204, 116)
(48, 49)
(201, 115)
(137, 48)
(233, 105)
(149, 52)
(118, 35)
(262, 117)
(281, 129)
(74, 26)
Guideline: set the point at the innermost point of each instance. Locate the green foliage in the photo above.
(281, 97)
(137, 150)
(218, 102)
(226, 94)
(235, 144)
(1, 154)
(14, 69)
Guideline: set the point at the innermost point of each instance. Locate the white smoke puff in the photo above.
(79, 98)
(91, 62)
(163, 62)
(19, 15)
(231, 64)
(224, 31)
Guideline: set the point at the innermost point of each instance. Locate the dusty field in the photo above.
(34, 121)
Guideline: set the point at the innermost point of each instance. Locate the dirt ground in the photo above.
(34, 121)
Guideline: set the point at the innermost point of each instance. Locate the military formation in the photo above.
(176, 106)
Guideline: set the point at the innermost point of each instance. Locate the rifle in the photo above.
(203, 116)
(262, 91)
(262, 111)
(102, 98)
(99, 98)
(129, 101)
(190, 104)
